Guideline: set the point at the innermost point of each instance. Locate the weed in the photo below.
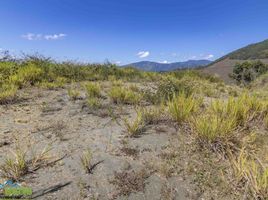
(86, 159)
(7, 93)
(123, 95)
(252, 174)
(152, 115)
(93, 102)
(182, 107)
(93, 90)
(18, 166)
(130, 181)
(74, 94)
(136, 127)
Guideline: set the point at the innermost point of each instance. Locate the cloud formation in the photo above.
(143, 54)
(164, 62)
(32, 36)
(210, 56)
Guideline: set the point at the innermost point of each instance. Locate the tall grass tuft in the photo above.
(251, 173)
(93, 89)
(124, 95)
(135, 127)
(182, 107)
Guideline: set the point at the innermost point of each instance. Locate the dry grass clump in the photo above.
(135, 127)
(124, 95)
(93, 90)
(22, 162)
(152, 115)
(250, 174)
(223, 120)
(131, 181)
(59, 82)
(182, 107)
(73, 93)
(7, 93)
(85, 160)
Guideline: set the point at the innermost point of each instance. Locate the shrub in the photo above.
(246, 72)
(136, 127)
(124, 95)
(93, 89)
(7, 93)
(27, 75)
(181, 107)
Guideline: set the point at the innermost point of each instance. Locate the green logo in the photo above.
(17, 191)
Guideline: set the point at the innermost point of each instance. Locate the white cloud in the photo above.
(55, 36)
(33, 36)
(143, 54)
(210, 56)
(118, 62)
(164, 62)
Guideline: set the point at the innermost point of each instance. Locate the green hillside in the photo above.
(252, 51)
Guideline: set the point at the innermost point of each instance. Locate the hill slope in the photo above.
(155, 66)
(224, 66)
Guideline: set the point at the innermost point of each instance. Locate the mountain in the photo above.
(224, 65)
(157, 67)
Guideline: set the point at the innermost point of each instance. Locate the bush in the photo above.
(246, 72)
(27, 75)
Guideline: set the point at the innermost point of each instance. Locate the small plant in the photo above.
(73, 94)
(16, 167)
(93, 90)
(85, 160)
(182, 107)
(152, 115)
(93, 102)
(136, 126)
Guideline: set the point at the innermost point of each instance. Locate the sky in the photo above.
(125, 31)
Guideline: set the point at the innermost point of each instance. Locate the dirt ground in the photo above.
(145, 167)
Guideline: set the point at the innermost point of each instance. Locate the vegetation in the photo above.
(226, 121)
(182, 107)
(246, 72)
(86, 160)
(23, 162)
(124, 95)
(253, 51)
(135, 128)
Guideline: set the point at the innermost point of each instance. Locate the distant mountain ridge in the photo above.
(158, 67)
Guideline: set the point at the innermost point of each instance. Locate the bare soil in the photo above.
(160, 164)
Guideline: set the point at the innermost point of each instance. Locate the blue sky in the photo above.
(125, 31)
